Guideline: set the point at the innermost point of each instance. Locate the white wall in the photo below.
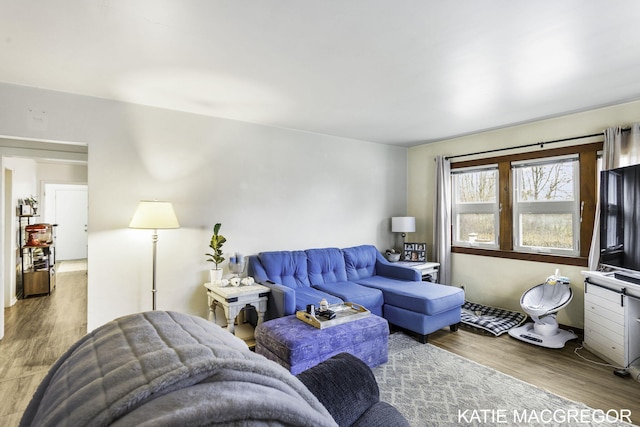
(270, 188)
(24, 185)
(495, 281)
(59, 173)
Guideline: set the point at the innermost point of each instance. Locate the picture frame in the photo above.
(414, 252)
(25, 210)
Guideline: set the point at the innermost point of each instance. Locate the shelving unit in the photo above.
(37, 263)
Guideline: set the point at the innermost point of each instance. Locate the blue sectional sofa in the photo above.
(360, 275)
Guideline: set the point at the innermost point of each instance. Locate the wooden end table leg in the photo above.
(261, 309)
(231, 313)
(212, 309)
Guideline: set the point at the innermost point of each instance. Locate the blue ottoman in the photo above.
(298, 346)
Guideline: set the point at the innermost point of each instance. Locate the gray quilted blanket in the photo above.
(166, 369)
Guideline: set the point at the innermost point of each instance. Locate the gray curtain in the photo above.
(619, 149)
(442, 220)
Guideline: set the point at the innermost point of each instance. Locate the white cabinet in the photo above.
(611, 319)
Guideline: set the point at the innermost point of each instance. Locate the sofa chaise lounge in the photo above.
(361, 275)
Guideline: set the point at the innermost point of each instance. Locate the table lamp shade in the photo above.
(153, 214)
(403, 224)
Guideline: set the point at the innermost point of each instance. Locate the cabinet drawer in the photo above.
(604, 308)
(608, 300)
(607, 294)
(601, 326)
(602, 345)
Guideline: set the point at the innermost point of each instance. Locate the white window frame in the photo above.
(550, 207)
(465, 208)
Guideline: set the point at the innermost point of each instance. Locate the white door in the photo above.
(71, 212)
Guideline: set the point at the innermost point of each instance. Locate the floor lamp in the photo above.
(404, 225)
(154, 215)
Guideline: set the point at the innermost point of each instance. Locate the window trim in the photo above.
(587, 154)
(489, 208)
(570, 207)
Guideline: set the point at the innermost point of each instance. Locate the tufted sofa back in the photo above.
(288, 268)
(360, 261)
(326, 265)
(298, 269)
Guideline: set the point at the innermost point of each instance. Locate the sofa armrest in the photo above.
(282, 300)
(345, 385)
(397, 272)
(385, 268)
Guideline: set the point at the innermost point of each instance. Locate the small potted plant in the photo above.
(33, 202)
(217, 240)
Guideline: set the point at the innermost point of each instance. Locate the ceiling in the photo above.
(399, 72)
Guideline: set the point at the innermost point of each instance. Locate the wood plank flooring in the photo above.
(38, 330)
(559, 371)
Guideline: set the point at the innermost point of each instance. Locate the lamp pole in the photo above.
(154, 240)
(154, 215)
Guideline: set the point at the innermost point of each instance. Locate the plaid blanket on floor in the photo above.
(493, 320)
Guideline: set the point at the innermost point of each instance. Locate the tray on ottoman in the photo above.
(346, 312)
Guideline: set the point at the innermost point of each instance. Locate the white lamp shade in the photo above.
(403, 224)
(153, 214)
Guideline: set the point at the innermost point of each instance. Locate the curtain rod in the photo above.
(541, 144)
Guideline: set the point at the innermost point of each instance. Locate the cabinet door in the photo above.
(604, 324)
(608, 308)
(633, 329)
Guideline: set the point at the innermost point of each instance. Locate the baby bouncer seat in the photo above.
(542, 302)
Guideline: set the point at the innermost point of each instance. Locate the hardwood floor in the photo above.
(38, 330)
(559, 371)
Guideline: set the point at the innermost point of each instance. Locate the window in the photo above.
(546, 214)
(475, 206)
(536, 206)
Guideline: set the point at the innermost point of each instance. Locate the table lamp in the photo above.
(154, 215)
(404, 225)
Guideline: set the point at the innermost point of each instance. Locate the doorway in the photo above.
(66, 206)
(26, 166)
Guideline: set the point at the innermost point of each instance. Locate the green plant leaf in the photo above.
(216, 243)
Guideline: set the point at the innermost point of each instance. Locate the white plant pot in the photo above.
(215, 274)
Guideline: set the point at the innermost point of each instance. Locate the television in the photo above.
(620, 222)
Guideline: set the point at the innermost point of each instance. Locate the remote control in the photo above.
(327, 314)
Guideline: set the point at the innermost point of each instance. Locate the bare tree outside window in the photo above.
(476, 187)
(545, 207)
(476, 206)
(547, 182)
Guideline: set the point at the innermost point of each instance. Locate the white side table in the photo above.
(428, 270)
(234, 298)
